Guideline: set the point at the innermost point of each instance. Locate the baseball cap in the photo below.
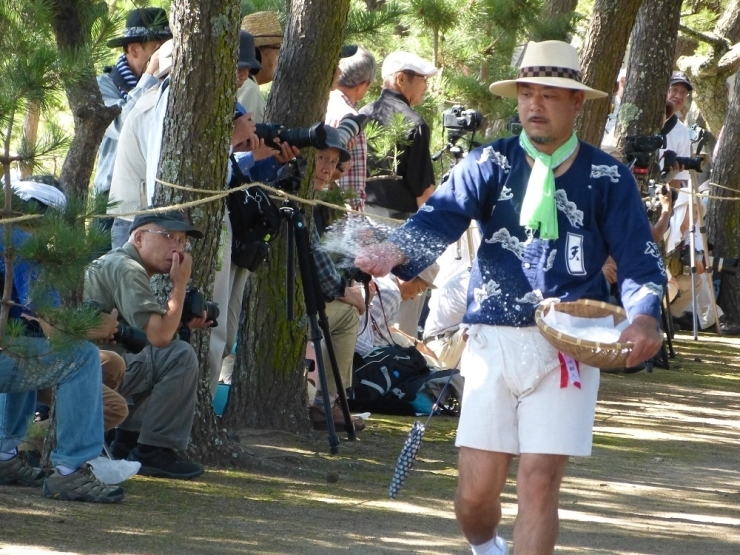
(406, 61)
(172, 220)
(429, 274)
(334, 140)
(680, 77)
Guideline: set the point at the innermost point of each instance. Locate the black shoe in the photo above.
(119, 451)
(165, 463)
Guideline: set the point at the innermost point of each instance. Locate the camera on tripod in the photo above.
(639, 148)
(725, 265)
(458, 118)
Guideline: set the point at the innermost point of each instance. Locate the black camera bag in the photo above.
(255, 220)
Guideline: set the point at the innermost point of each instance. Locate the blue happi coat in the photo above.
(599, 214)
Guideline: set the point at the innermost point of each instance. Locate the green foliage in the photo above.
(437, 15)
(361, 22)
(280, 7)
(384, 142)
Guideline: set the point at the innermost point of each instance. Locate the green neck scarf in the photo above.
(538, 208)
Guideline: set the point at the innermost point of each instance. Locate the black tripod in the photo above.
(298, 241)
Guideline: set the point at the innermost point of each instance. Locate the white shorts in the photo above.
(513, 401)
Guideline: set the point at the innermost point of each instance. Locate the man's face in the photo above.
(326, 163)
(269, 53)
(138, 55)
(677, 95)
(548, 114)
(241, 76)
(412, 86)
(412, 289)
(158, 246)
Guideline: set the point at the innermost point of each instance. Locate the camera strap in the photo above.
(669, 124)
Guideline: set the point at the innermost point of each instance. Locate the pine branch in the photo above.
(717, 42)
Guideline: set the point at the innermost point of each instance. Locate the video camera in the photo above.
(639, 148)
(459, 119)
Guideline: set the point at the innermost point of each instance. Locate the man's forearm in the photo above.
(425, 195)
(661, 226)
(161, 328)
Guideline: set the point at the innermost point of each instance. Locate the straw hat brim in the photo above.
(508, 88)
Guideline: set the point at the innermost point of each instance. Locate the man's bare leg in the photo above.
(538, 489)
(481, 479)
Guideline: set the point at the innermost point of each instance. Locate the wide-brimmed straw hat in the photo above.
(264, 27)
(142, 25)
(553, 63)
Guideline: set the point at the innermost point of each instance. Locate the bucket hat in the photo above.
(142, 25)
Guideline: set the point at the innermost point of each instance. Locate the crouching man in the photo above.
(160, 383)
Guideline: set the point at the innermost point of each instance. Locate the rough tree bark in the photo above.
(71, 25)
(723, 220)
(30, 134)
(195, 149)
(601, 57)
(709, 73)
(654, 36)
(268, 387)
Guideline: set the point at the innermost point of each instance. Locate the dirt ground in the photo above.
(664, 478)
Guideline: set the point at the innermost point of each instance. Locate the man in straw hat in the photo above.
(551, 209)
(268, 37)
(132, 75)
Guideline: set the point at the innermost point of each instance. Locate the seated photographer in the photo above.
(161, 380)
(384, 308)
(344, 304)
(28, 364)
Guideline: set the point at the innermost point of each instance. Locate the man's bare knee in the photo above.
(539, 478)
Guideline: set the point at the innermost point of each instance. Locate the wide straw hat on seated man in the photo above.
(552, 63)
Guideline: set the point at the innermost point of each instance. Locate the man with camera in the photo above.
(552, 209)
(677, 136)
(344, 303)
(161, 380)
(407, 182)
(354, 75)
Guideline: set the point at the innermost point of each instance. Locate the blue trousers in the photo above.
(77, 377)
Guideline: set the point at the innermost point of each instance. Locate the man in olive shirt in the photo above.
(161, 381)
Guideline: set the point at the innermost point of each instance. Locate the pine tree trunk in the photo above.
(268, 387)
(654, 36)
(195, 149)
(723, 219)
(728, 25)
(91, 116)
(554, 9)
(601, 57)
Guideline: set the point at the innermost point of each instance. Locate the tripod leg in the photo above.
(321, 367)
(349, 426)
(667, 323)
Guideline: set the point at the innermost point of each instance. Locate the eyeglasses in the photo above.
(413, 74)
(184, 242)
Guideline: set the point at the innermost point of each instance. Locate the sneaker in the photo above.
(318, 418)
(165, 463)
(81, 485)
(19, 470)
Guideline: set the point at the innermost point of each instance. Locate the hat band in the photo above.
(549, 71)
(145, 31)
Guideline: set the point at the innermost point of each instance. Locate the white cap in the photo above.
(406, 61)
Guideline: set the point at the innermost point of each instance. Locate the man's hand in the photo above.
(153, 64)
(610, 270)
(353, 296)
(180, 270)
(260, 151)
(287, 152)
(643, 333)
(378, 260)
(107, 327)
(202, 322)
(243, 133)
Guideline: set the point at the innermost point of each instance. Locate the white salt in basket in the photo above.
(593, 353)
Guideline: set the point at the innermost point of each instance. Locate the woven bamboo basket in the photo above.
(593, 353)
